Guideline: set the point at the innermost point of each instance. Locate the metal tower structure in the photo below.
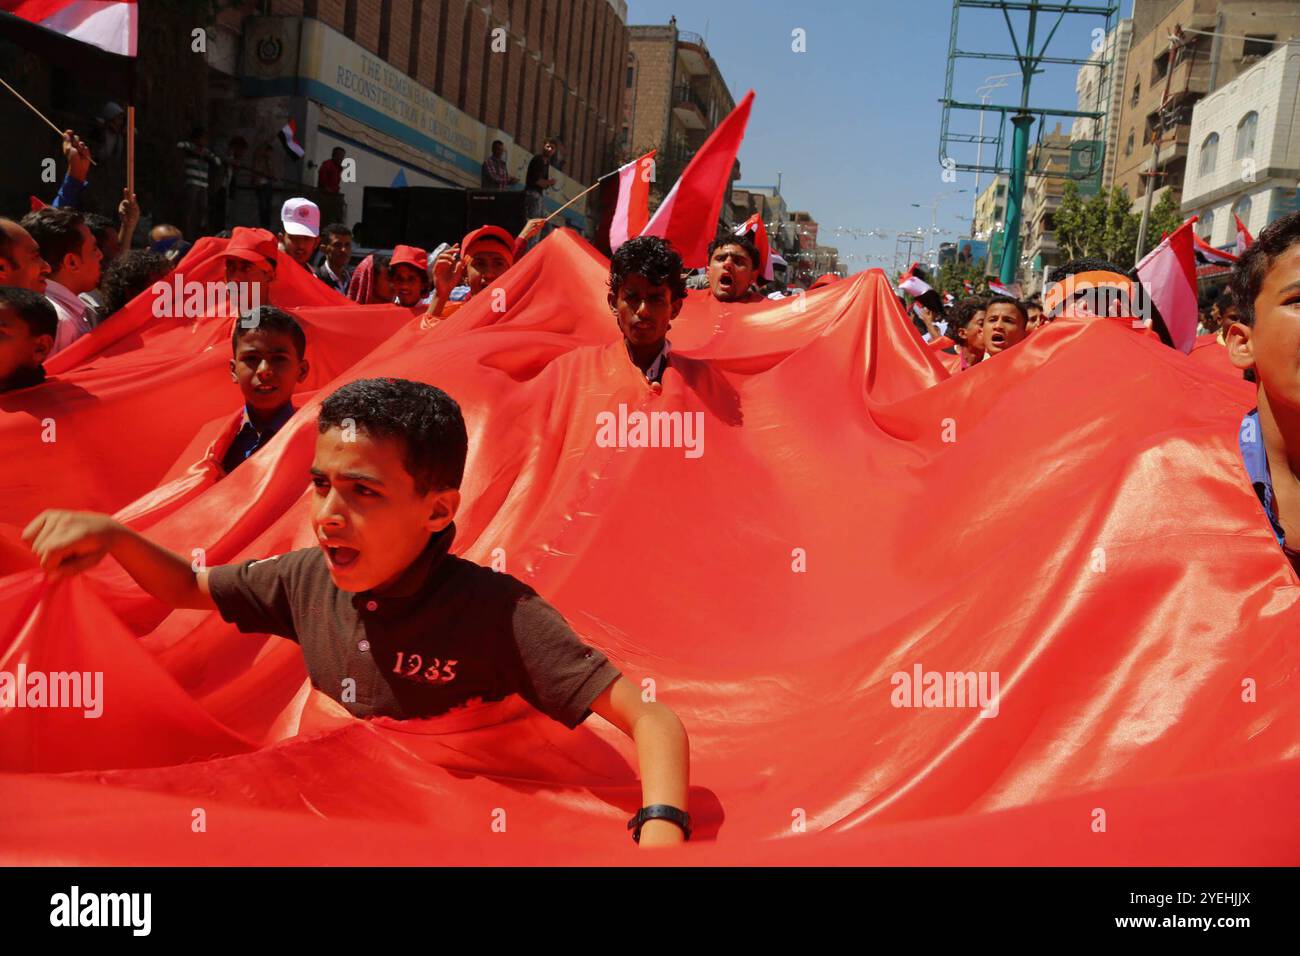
(1029, 55)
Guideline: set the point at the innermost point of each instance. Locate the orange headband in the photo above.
(1059, 293)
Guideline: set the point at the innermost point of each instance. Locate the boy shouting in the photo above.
(381, 602)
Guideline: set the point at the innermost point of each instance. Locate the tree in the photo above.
(952, 274)
(1105, 226)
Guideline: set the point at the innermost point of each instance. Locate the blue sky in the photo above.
(853, 123)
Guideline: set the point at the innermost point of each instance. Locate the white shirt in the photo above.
(73, 320)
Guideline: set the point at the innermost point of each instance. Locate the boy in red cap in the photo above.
(409, 276)
(251, 256)
(466, 269)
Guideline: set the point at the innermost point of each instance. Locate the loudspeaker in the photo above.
(434, 215)
(490, 207)
(383, 214)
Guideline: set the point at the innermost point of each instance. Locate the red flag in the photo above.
(1168, 273)
(107, 24)
(1244, 239)
(632, 207)
(1206, 254)
(755, 228)
(913, 281)
(36, 204)
(688, 216)
(289, 137)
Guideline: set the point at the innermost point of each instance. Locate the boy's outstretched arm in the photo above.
(662, 749)
(69, 542)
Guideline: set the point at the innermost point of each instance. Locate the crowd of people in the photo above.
(384, 504)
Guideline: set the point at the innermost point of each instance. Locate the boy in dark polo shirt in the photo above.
(269, 361)
(391, 624)
(1265, 337)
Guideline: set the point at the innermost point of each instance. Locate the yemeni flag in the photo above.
(914, 281)
(1206, 254)
(1244, 239)
(110, 25)
(631, 206)
(289, 137)
(688, 216)
(997, 288)
(1168, 274)
(968, 287)
(754, 228)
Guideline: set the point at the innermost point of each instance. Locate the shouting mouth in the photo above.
(340, 557)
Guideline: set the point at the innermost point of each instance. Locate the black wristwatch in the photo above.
(660, 811)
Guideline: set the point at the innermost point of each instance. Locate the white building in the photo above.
(1102, 91)
(1244, 149)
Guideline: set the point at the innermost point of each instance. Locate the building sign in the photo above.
(304, 57)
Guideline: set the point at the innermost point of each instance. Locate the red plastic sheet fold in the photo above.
(1068, 521)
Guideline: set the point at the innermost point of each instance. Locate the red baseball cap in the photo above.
(409, 256)
(493, 234)
(252, 245)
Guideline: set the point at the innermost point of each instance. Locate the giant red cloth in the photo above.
(1071, 514)
(123, 401)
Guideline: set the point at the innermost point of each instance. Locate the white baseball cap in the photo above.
(300, 217)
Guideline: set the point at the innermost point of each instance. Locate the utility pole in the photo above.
(1175, 43)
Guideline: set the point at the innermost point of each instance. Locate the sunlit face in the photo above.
(730, 273)
(299, 248)
(644, 311)
(408, 284)
(80, 272)
(24, 269)
(366, 513)
(485, 266)
(1004, 326)
(253, 279)
(338, 252)
(267, 368)
(383, 285)
(1272, 344)
(19, 348)
(972, 335)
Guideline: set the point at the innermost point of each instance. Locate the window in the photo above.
(1128, 143)
(1257, 45)
(1246, 135)
(1209, 153)
(1242, 210)
(1205, 226)
(1151, 131)
(631, 72)
(1137, 91)
(1161, 67)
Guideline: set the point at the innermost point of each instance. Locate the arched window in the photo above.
(1205, 225)
(1242, 210)
(1128, 144)
(1246, 135)
(1209, 153)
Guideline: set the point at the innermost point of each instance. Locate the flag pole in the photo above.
(577, 197)
(45, 118)
(130, 150)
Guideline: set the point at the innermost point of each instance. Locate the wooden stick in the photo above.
(574, 199)
(37, 112)
(130, 150)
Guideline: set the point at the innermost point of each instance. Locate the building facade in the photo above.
(1101, 90)
(675, 97)
(1245, 152)
(1219, 40)
(416, 91)
(1042, 198)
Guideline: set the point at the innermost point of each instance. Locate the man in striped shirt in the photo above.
(197, 158)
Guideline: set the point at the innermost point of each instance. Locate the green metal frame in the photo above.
(1030, 61)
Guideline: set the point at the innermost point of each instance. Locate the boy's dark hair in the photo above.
(98, 225)
(652, 258)
(270, 319)
(426, 420)
(1226, 299)
(32, 307)
(744, 242)
(129, 275)
(1034, 302)
(382, 263)
(1086, 264)
(56, 231)
(1249, 272)
(966, 309)
(1020, 306)
(332, 230)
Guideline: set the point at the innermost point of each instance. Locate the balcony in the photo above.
(694, 55)
(691, 109)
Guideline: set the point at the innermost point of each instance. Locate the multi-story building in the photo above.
(1219, 39)
(417, 91)
(990, 208)
(675, 97)
(1042, 198)
(1100, 89)
(1245, 153)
